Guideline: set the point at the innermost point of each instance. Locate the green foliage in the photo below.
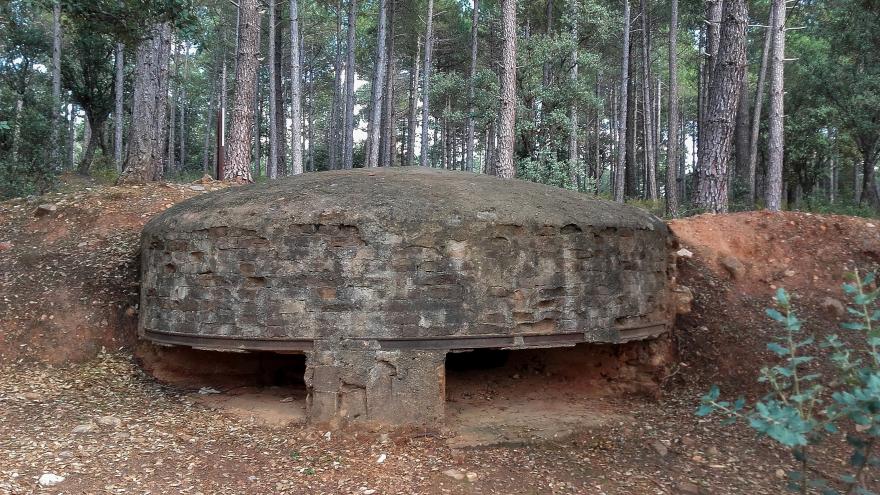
(804, 407)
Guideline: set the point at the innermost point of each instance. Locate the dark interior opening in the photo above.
(223, 371)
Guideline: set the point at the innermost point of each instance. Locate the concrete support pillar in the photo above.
(355, 381)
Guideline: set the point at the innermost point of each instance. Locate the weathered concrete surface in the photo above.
(375, 274)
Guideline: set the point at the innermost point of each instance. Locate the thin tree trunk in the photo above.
(413, 106)
(118, 117)
(506, 166)
(620, 173)
(378, 88)
(148, 111)
(56, 85)
(71, 135)
(170, 146)
(426, 83)
(388, 136)
(296, 161)
(348, 146)
(648, 105)
(776, 130)
(241, 128)
(311, 119)
(742, 127)
(721, 107)
(475, 19)
(182, 92)
(333, 134)
(272, 164)
(16, 128)
(756, 112)
(672, 139)
(573, 110)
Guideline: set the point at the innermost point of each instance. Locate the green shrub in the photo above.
(804, 408)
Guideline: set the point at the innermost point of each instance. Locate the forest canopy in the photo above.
(703, 106)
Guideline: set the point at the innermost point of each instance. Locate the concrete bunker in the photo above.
(375, 275)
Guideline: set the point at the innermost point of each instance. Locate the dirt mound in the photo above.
(739, 261)
(69, 279)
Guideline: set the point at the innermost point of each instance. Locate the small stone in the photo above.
(687, 488)
(50, 479)
(45, 209)
(780, 473)
(471, 476)
(381, 458)
(327, 435)
(733, 266)
(384, 438)
(5, 245)
(369, 491)
(196, 187)
(661, 449)
(684, 253)
(208, 391)
(833, 306)
(31, 396)
(109, 421)
(84, 428)
(454, 474)
(789, 273)
(714, 451)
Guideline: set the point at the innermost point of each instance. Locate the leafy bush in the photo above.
(803, 407)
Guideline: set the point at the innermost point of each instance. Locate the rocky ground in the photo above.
(75, 404)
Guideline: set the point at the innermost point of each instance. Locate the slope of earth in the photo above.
(95, 418)
(69, 267)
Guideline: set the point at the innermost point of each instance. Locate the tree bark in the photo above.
(272, 164)
(413, 105)
(620, 172)
(573, 110)
(388, 136)
(172, 116)
(296, 161)
(56, 85)
(71, 135)
(756, 112)
(776, 130)
(240, 133)
(378, 88)
(182, 103)
(118, 116)
(426, 84)
(724, 93)
(742, 127)
(333, 134)
(648, 105)
(507, 124)
(475, 19)
(672, 140)
(146, 141)
(348, 146)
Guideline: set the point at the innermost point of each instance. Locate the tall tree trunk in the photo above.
(71, 136)
(475, 19)
(92, 141)
(648, 104)
(56, 86)
(426, 83)
(721, 107)
(272, 163)
(743, 120)
(296, 161)
(170, 146)
(506, 166)
(311, 118)
(118, 116)
(378, 88)
(776, 129)
(348, 146)
(182, 93)
(672, 139)
(620, 173)
(413, 106)
(333, 134)
(573, 109)
(388, 136)
(241, 128)
(16, 127)
(756, 112)
(146, 141)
